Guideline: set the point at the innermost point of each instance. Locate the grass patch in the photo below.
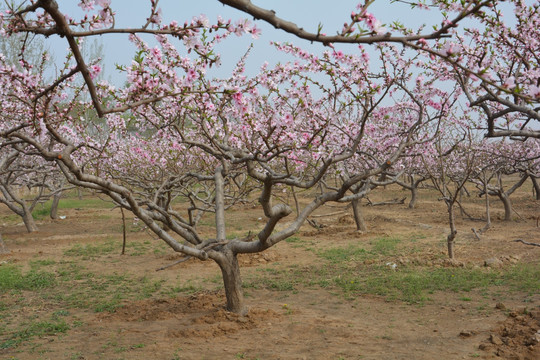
(343, 255)
(44, 209)
(357, 271)
(385, 246)
(274, 279)
(36, 264)
(524, 277)
(94, 250)
(413, 285)
(12, 278)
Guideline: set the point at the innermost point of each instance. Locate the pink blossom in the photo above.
(534, 91)
(94, 71)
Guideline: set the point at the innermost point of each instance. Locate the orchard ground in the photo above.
(328, 293)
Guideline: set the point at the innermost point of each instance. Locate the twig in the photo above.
(526, 242)
(315, 224)
(174, 263)
(476, 234)
(389, 202)
(514, 210)
(330, 214)
(123, 231)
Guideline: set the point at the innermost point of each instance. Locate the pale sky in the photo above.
(305, 13)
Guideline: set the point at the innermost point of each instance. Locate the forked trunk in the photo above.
(232, 281)
(358, 216)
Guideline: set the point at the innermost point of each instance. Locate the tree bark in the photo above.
(54, 206)
(507, 206)
(228, 263)
(488, 214)
(358, 216)
(414, 197)
(29, 221)
(536, 187)
(450, 240)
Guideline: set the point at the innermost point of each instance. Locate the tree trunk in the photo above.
(536, 187)
(488, 214)
(450, 240)
(54, 206)
(3, 248)
(232, 281)
(358, 216)
(29, 221)
(414, 197)
(507, 206)
(162, 203)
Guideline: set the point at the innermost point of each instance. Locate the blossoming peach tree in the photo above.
(172, 130)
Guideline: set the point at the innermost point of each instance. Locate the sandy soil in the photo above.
(308, 323)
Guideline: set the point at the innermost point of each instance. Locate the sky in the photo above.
(305, 13)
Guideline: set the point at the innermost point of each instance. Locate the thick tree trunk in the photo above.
(358, 216)
(29, 221)
(507, 207)
(414, 197)
(232, 282)
(227, 260)
(54, 206)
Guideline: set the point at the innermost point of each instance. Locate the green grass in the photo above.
(43, 210)
(94, 250)
(12, 278)
(68, 285)
(360, 269)
(385, 246)
(413, 285)
(343, 255)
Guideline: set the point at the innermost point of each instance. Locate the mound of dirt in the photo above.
(258, 258)
(198, 315)
(516, 338)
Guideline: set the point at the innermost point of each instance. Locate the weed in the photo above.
(41, 328)
(59, 313)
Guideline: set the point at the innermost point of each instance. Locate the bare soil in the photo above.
(307, 322)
